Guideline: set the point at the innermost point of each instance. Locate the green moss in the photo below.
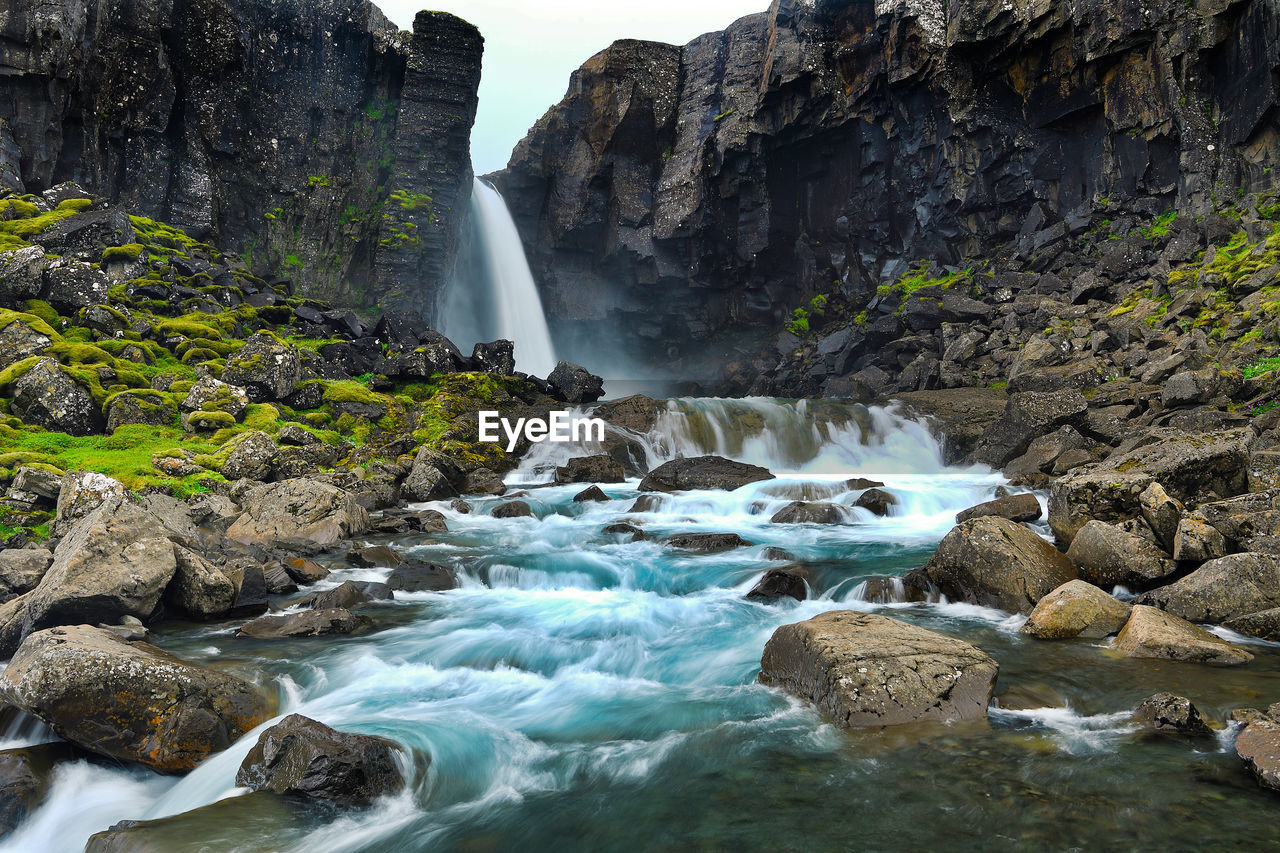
(43, 310)
(17, 370)
(36, 322)
(1160, 229)
(347, 391)
(26, 220)
(127, 253)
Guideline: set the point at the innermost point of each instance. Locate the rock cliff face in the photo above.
(684, 201)
(312, 136)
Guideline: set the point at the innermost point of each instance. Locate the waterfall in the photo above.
(494, 295)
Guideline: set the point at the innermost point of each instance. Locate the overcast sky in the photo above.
(531, 47)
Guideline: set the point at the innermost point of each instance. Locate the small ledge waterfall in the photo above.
(494, 295)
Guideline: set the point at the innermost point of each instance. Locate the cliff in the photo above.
(313, 138)
(681, 203)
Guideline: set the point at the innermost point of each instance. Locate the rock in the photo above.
(1197, 541)
(1076, 609)
(1192, 468)
(209, 394)
(1265, 624)
(1027, 416)
(70, 285)
(646, 503)
(591, 494)
(591, 469)
(305, 571)
(35, 485)
(809, 512)
(267, 368)
(47, 396)
(240, 823)
(1151, 633)
(431, 521)
(375, 557)
(129, 701)
(80, 493)
(1190, 387)
(21, 275)
(26, 775)
(621, 528)
(707, 543)
(347, 595)
(866, 670)
(1162, 514)
(307, 623)
(876, 501)
(496, 357)
(301, 757)
(1225, 588)
(298, 509)
(149, 408)
(779, 583)
(1170, 714)
(1023, 507)
(513, 509)
(1258, 746)
(277, 581)
(251, 457)
(199, 588)
(858, 484)
(460, 506)
(997, 563)
(636, 413)
(702, 472)
(1045, 453)
(1106, 555)
(416, 576)
(21, 569)
(426, 480)
(19, 341)
(1243, 518)
(575, 384)
(482, 481)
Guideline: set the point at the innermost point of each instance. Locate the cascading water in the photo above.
(495, 295)
(585, 690)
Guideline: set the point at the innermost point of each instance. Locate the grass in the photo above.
(1261, 366)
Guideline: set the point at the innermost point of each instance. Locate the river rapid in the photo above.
(582, 691)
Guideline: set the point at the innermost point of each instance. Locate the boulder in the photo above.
(621, 528)
(997, 563)
(416, 576)
(348, 595)
(22, 569)
(702, 472)
(1192, 468)
(148, 408)
(199, 588)
(591, 494)
(301, 757)
(252, 454)
(512, 509)
(1162, 514)
(876, 501)
(70, 285)
(21, 274)
(277, 580)
(80, 493)
(1265, 624)
(47, 396)
(707, 543)
(496, 357)
(241, 823)
(26, 775)
(1197, 541)
(1027, 416)
(867, 670)
(35, 486)
(575, 384)
(779, 583)
(213, 394)
(1106, 555)
(1076, 609)
(1170, 714)
(809, 512)
(427, 480)
(430, 521)
(305, 571)
(1243, 518)
(483, 481)
(298, 509)
(1022, 507)
(858, 484)
(1258, 746)
(376, 556)
(601, 468)
(19, 341)
(636, 413)
(307, 623)
(265, 367)
(1151, 633)
(1221, 589)
(129, 701)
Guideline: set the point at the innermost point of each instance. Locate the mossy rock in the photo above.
(207, 422)
(147, 407)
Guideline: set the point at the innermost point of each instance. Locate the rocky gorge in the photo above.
(996, 533)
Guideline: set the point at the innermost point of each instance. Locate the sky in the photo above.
(532, 47)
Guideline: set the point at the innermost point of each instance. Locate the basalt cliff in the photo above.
(313, 138)
(807, 169)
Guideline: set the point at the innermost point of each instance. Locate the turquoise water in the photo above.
(583, 692)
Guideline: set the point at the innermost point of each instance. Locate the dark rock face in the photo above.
(779, 583)
(48, 397)
(591, 469)
(25, 777)
(313, 135)
(1167, 713)
(808, 512)
(707, 543)
(308, 623)
(702, 472)
(1024, 507)
(301, 757)
(826, 145)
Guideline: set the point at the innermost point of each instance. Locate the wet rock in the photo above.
(877, 502)
(1023, 507)
(997, 563)
(482, 481)
(26, 775)
(301, 757)
(415, 576)
(866, 670)
(298, 509)
(21, 569)
(461, 506)
(706, 543)
(513, 509)
(308, 623)
(1265, 624)
(591, 469)
(265, 367)
(277, 581)
(621, 528)
(1197, 541)
(47, 396)
(1162, 514)
(779, 583)
(305, 571)
(1170, 714)
(376, 556)
(808, 512)
(1151, 633)
(427, 481)
(1076, 609)
(199, 588)
(252, 589)
(345, 596)
(636, 413)
(431, 521)
(646, 503)
(238, 822)
(592, 494)
(702, 472)
(1225, 588)
(575, 384)
(129, 701)
(1258, 746)
(1106, 555)
(857, 484)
